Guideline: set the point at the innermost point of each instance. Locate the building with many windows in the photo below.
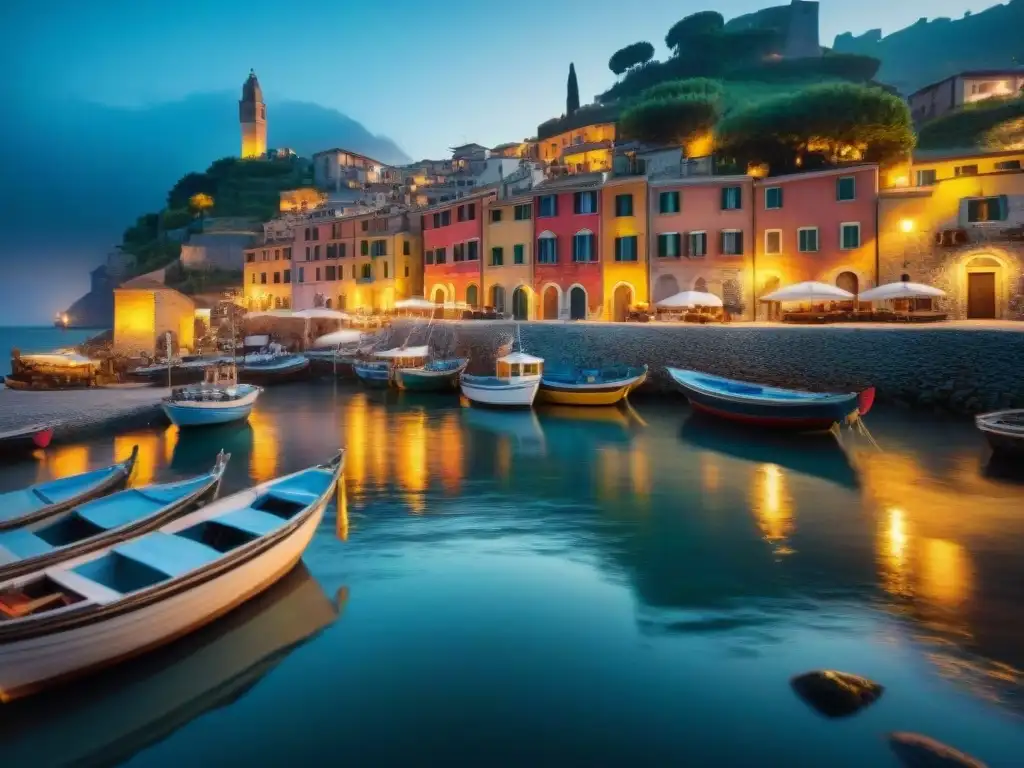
(267, 275)
(623, 245)
(452, 249)
(508, 257)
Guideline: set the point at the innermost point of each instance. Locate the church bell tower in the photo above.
(252, 114)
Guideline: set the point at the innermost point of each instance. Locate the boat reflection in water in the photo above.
(817, 455)
(522, 427)
(192, 447)
(107, 718)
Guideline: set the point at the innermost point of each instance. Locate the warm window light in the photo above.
(907, 225)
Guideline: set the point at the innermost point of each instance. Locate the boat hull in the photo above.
(419, 380)
(293, 370)
(191, 416)
(33, 664)
(24, 442)
(372, 376)
(1004, 431)
(797, 415)
(342, 368)
(567, 395)
(517, 395)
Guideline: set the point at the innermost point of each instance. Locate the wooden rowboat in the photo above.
(24, 440)
(432, 376)
(134, 596)
(102, 522)
(770, 407)
(598, 386)
(43, 500)
(1004, 431)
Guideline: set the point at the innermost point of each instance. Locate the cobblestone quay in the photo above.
(958, 369)
(76, 414)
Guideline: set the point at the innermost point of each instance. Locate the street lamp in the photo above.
(907, 225)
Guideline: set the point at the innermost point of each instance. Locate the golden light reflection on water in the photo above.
(449, 443)
(946, 573)
(893, 559)
(341, 524)
(411, 469)
(264, 458)
(504, 457)
(64, 460)
(710, 476)
(355, 441)
(150, 457)
(772, 505)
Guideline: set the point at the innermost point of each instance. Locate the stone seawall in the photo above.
(960, 370)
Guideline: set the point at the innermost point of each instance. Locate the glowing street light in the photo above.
(907, 225)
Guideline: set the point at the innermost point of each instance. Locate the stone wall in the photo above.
(954, 369)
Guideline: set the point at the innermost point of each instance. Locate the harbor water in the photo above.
(574, 587)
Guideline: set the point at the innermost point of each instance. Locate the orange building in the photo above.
(623, 245)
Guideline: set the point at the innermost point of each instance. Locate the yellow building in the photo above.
(508, 257)
(145, 311)
(267, 277)
(931, 166)
(586, 150)
(961, 234)
(624, 245)
(302, 199)
(387, 268)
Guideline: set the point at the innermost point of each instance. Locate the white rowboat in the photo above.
(135, 596)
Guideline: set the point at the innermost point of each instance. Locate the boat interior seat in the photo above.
(20, 544)
(120, 509)
(252, 521)
(170, 492)
(18, 503)
(167, 553)
(68, 487)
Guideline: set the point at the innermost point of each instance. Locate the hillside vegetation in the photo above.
(991, 124)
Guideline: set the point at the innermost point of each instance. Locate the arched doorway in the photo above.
(472, 297)
(577, 303)
(848, 282)
(498, 298)
(622, 299)
(520, 304)
(550, 303)
(984, 275)
(327, 304)
(773, 309)
(438, 295)
(700, 284)
(665, 286)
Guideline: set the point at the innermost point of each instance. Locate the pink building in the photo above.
(452, 250)
(816, 226)
(702, 238)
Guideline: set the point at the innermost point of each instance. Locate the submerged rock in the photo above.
(836, 694)
(917, 751)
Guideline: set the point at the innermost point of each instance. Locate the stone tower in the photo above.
(252, 114)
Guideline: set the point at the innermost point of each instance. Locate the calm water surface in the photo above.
(574, 588)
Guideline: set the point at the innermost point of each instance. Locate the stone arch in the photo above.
(983, 286)
(665, 286)
(327, 303)
(700, 284)
(577, 302)
(623, 296)
(498, 298)
(848, 281)
(550, 302)
(521, 298)
(473, 296)
(439, 294)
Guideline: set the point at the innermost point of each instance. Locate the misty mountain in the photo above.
(929, 51)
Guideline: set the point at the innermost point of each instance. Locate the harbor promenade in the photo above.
(78, 413)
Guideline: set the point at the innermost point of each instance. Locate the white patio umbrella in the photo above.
(901, 290)
(690, 299)
(416, 302)
(809, 291)
(269, 313)
(321, 313)
(405, 352)
(339, 338)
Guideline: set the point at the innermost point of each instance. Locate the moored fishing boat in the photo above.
(595, 386)
(134, 596)
(219, 400)
(432, 376)
(373, 373)
(273, 368)
(1004, 431)
(24, 440)
(514, 385)
(335, 353)
(380, 372)
(770, 407)
(44, 500)
(100, 522)
(188, 370)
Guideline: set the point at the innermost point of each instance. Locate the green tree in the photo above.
(822, 124)
(694, 28)
(572, 98)
(630, 56)
(671, 119)
(694, 86)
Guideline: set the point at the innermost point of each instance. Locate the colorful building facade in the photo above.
(508, 258)
(267, 276)
(964, 235)
(567, 245)
(623, 246)
(815, 226)
(587, 149)
(453, 250)
(702, 238)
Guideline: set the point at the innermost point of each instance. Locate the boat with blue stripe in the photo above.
(439, 375)
(770, 407)
(219, 400)
(590, 386)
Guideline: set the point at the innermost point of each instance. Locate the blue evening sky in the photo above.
(428, 74)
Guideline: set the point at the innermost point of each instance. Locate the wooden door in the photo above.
(981, 294)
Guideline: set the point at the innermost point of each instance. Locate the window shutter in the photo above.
(778, 199)
(973, 210)
(1004, 208)
(725, 198)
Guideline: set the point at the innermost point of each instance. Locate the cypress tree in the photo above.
(572, 99)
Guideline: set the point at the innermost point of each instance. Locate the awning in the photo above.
(338, 338)
(901, 290)
(416, 302)
(809, 291)
(405, 352)
(320, 313)
(690, 299)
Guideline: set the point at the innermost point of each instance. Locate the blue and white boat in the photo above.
(97, 523)
(135, 595)
(43, 500)
(514, 384)
(373, 373)
(219, 400)
(770, 407)
(271, 363)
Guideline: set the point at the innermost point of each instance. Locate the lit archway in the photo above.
(577, 303)
(848, 282)
(665, 286)
(984, 279)
(622, 300)
(439, 295)
(549, 302)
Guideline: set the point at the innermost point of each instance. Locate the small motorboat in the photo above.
(379, 372)
(514, 385)
(1004, 431)
(432, 376)
(595, 386)
(218, 400)
(771, 407)
(335, 353)
(373, 373)
(100, 522)
(43, 500)
(24, 440)
(273, 368)
(134, 596)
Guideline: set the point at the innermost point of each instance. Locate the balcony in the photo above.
(364, 280)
